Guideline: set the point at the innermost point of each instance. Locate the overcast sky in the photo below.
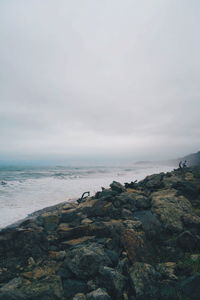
(99, 78)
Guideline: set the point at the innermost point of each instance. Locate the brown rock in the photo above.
(78, 241)
(134, 245)
(40, 272)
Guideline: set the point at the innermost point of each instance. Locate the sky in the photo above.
(109, 79)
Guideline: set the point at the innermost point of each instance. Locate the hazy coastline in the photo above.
(25, 190)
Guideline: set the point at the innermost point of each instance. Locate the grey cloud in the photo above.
(92, 77)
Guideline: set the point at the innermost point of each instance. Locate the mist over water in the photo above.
(24, 190)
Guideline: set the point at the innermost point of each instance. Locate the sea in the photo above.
(24, 190)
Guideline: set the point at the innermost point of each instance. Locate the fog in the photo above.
(107, 79)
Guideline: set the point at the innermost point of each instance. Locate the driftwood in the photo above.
(83, 197)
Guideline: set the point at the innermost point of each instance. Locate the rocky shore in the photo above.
(134, 241)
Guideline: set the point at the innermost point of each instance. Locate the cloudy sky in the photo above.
(99, 78)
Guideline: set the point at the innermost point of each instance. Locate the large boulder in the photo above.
(170, 208)
(85, 261)
(152, 182)
(113, 281)
(145, 280)
(134, 244)
(23, 242)
(150, 223)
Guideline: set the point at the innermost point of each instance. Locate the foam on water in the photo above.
(24, 190)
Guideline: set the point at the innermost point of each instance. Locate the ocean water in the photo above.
(24, 190)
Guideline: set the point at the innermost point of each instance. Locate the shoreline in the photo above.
(36, 195)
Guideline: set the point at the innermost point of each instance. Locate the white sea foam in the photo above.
(25, 191)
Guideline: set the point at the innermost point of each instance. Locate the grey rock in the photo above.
(126, 198)
(12, 295)
(145, 280)
(98, 294)
(12, 284)
(153, 182)
(142, 202)
(112, 280)
(126, 214)
(72, 287)
(190, 286)
(69, 215)
(118, 187)
(187, 241)
(150, 223)
(85, 261)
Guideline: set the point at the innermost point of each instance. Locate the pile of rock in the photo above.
(122, 243)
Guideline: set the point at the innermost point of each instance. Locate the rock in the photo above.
(145, 280)
(79, 296)
(50, 221)
(12, 295)
(122, 266)
(171, 181)
(191, 221)
(187, 189)
(31, 261)
(127, 200)
(190, 286)
(134, 244)
(167, 270)
(78, 241)
(86, 207)
(63, 227)
(118, 187)
(195, 257)
(150, 223)
(113, 255)
(86, 221)
(124, 244)
(70, 215)
(98, 294)
(142, 202)
(92, 285)
(50, 288)
(23, 243)
(57, 255)
(69, 205)
(170, 208)
(85, 261)
(126, 214)
(187, 241)
(133, 224)
(103, 208)
(106, 194)
(113, 281)
(72, 287)
(12, 284)
(152, 182)
(41, 272)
